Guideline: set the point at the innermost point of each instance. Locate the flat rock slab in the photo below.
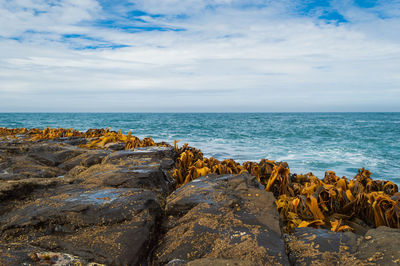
(86, 159)
(23, 167)
(52, 153)
(128, 171)
(123, 157)
(111, 226)
(226, 217)
(309, 246)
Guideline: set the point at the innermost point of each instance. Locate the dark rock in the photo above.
(115, 146)
(318, 246)
(23, 167)
(381, 246)
(52, 154)
(86, 159)
(63, 205)
(21, 188)
(126, 156)
(59, 204)
(75, 141)
(221, 262)
(75, 171)
(308, 246)
(176, 262)
(150, 177)
(122, 169)
(225, 217)
(112, 226)
(18, 254)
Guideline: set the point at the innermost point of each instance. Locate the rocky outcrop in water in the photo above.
(61, 203)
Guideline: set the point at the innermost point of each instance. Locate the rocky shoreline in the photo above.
(68, 198)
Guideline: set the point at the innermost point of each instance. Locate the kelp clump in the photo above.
(51, 133)
(98, 138)
(191, 164)
(12, 132)
(130, 141)
(322, 202)
(338, 204)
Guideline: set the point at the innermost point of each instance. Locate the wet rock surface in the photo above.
(61, 204)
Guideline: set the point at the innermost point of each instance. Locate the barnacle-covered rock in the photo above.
(229, 216)
(309, 246)
(111, 226)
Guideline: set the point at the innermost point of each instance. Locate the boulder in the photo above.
(111, 226)
(227, 217)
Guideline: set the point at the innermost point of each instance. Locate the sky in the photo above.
(199, 55)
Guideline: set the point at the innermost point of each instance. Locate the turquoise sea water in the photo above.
(309, 142)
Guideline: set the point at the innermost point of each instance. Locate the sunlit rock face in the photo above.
(229, 216)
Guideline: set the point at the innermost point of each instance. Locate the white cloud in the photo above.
(262, 58)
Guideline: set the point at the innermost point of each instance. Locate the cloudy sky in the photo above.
(199, 55)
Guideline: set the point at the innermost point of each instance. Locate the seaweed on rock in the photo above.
(338, 204)
(305, 200)
(98, 138)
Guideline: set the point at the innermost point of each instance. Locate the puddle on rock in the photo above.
(99, 197)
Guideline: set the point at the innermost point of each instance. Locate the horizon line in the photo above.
(190, 112)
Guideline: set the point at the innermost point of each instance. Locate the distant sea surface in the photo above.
(309, 142)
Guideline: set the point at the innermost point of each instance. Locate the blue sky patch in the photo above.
(102, 46)
(333, 16)
(83, 42)
(366, 3)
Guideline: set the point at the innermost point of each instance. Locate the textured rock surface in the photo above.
(380, 246)
(111, 226)
(222, 217)
(63, 204)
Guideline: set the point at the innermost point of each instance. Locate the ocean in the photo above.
(309, 142)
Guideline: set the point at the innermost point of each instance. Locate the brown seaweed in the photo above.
(99, 138)
(305, 200)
